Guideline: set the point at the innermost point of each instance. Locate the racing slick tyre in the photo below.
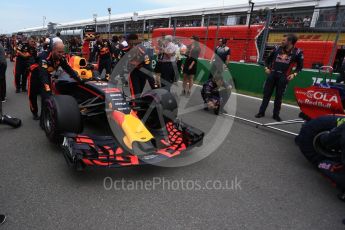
(157, 106)
(61, 114)
(308, 139)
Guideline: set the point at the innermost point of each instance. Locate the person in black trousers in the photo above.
(20, 68)
(278, 68)
(169, 71)
(3, 67)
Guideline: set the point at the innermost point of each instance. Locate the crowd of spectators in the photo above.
(284, 21)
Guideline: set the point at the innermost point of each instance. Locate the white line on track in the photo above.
(256, 98)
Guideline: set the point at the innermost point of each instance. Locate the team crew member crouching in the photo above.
(50, 62)
(278, 68)
(139, 66)
(103, 50)
(216, 93)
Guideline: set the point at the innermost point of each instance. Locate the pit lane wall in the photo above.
(250, 78)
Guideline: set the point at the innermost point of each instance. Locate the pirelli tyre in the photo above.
(307, 140)
(61, 115)
(157, 107)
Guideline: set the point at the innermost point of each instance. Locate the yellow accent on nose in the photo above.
(135, 130)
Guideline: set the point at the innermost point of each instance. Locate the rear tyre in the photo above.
(308, 139)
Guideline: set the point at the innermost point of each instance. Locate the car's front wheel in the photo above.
(61, 114)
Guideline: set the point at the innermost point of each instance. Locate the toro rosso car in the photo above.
(145, 130)
(322, 137)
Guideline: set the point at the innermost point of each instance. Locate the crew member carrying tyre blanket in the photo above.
(322, 142)
(50, 62)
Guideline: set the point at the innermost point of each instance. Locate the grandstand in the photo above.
(287, 14)
(312, 20)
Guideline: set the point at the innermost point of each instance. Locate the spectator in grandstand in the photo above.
(306, 21)
(169, 71)
(221, 57)
(190, 66)
(278, 68)
(341, 77)
(3, 67)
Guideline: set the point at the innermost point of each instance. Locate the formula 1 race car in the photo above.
(145, 130)
(322, 137)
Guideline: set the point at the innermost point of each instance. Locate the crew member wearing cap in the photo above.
(278, 68)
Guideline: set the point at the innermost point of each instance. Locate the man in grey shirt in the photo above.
(3, 67)
(169, 67)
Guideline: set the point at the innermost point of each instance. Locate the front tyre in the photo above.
(61, 115)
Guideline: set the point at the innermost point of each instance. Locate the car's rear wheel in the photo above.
(308, 139)
(61, 114)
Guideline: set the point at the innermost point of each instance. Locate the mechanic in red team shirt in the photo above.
(278, 68)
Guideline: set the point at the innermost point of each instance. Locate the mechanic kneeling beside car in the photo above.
(216, 93)
(50, 62)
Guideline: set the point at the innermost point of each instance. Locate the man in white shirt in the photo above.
(169, 67)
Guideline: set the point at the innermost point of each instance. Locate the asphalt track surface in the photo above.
(278, 188)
